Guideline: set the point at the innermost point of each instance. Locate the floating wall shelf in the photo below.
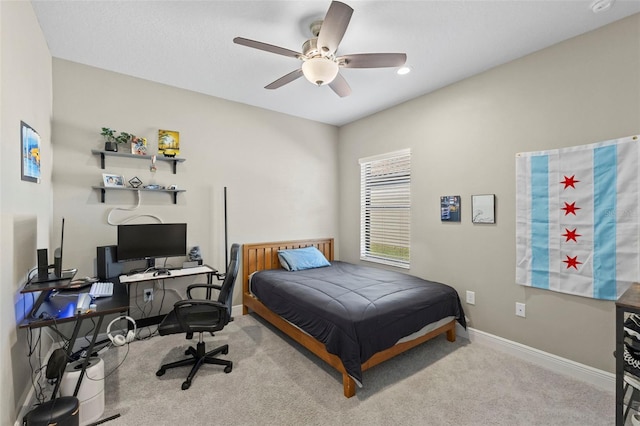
(104, 189)
(103, 154)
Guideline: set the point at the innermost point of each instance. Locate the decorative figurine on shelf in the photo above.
(152, 167)
(194, 254)
(135, 182)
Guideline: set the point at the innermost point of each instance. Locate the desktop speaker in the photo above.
(43, 264)
(107, 262)
(57, 262)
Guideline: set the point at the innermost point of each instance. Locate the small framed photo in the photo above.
(30, 153)
(139, 146)
(483, 208)
(450, 208)
(113, 180)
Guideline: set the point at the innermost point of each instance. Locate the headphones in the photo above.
(119, 339)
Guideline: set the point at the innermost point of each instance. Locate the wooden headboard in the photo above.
(261, 256)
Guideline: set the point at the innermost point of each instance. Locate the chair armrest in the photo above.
(207, 286)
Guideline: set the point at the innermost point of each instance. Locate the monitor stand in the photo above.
(52, 276)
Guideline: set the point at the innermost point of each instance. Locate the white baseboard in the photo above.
(599, 378)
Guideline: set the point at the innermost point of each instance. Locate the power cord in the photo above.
(139, 197)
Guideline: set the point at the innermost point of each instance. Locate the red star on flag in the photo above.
(571, 235)
(570, 208)
(570, 182)
(572, 262)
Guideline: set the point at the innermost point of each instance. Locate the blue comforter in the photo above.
(355, 310)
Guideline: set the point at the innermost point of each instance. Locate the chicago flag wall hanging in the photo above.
(577, 218)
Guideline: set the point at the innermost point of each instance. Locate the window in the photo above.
(385, 208)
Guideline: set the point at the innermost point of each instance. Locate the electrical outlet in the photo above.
(520, 310)
(471, 297)
(148, 294)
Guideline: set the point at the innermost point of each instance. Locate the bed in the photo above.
(346, 314)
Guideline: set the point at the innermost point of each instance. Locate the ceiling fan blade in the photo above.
(266, 47)
(333, 27)
(293, 75)
(340, 86)
(372, 60)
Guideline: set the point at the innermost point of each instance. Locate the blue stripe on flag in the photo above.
(540, 221)
(604, 222)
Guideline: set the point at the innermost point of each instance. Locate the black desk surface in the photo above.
(62, 306)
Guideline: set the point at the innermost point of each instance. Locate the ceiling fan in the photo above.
(320, 64)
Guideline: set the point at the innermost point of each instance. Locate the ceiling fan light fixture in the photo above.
(320, 71)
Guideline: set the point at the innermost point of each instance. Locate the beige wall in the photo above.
(25, 207)
(280, 171)
(464, 139)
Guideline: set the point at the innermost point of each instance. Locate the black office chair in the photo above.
(201, 316)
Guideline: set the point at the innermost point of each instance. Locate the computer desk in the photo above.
(174, 273)
(57, 305)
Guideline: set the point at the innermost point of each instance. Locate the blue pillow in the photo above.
(303, 258)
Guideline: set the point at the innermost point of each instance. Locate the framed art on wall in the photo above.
(113, 180)
(450, 208)
(483, 208)
(30, 153)
(168, 143)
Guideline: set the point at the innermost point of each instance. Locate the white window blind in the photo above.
(385, 208)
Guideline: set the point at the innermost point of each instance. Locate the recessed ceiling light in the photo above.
(403, 70)
(601, 5)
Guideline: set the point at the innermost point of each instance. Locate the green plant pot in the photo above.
(111, 146)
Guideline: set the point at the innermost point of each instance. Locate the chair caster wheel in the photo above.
(227, 369)
(225, 351)
(160, 372)
(186, 385)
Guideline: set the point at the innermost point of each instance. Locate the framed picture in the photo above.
(139, 146)
(113, 180)
(450, 208)
(135, 182)
(483, 208)
(168, 143)
(30, 153)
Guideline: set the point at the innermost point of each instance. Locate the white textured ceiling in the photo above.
(188, 44)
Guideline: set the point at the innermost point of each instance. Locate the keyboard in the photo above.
(101, 289)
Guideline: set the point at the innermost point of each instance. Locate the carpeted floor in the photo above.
(276, 382)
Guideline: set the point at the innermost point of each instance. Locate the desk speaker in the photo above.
(107, 262)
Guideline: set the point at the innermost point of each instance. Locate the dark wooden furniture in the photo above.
(629, 302)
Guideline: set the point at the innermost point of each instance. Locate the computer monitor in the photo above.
(151, 241)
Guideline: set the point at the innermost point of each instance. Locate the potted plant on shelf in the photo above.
(111, 141)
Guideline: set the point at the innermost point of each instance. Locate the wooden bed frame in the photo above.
(261, 256)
